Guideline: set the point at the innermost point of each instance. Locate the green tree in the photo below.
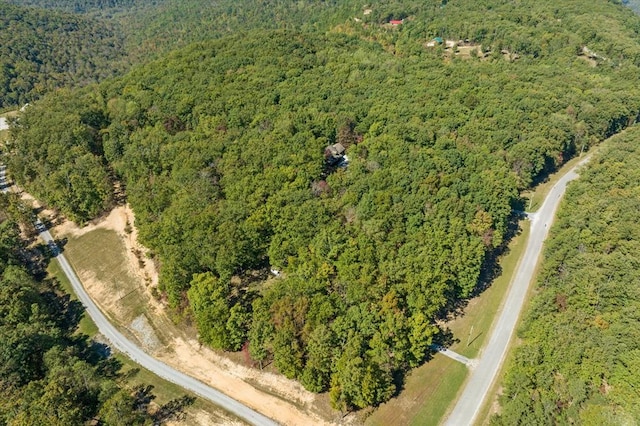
(208, 297)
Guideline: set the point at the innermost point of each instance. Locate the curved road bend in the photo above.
(124, 345)
(484, 374)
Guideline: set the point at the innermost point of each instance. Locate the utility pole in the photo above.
(469, 338)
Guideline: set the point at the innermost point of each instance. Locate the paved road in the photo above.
(118, 341)
(482, 377)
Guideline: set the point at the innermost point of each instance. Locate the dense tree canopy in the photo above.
(43, 50)
(80, 6)
(579, 362)
(220, 147)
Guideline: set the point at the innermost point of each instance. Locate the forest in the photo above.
(220, 145)
(43, 50)
(579, 361)
(49, 373)
(83, 6)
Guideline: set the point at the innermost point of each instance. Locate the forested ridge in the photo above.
(220, 148)
(83, 6)
(50, 374)
(43, 50)
(48, 44)
(579, 362)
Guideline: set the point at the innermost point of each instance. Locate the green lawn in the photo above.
(425, 396)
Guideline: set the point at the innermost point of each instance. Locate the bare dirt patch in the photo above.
(142, 327)
(120, 277)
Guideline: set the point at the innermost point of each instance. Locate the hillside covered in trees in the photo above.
(83, 6)
(220, 148)
(579, 362)
(44, 50)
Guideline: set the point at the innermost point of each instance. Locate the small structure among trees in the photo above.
(334, 154)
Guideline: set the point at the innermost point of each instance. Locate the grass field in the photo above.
(430, 389)
(100, 255)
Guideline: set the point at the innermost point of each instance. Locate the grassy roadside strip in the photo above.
(491, 405)
(474, 327)
(166, 391)
(134, 374)
(86, 325)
